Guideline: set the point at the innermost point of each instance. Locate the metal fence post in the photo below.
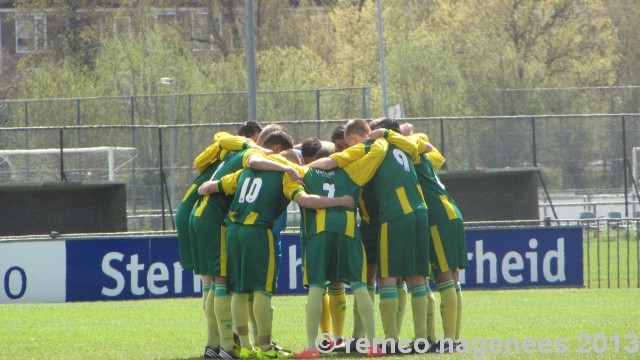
(164, 226)
(318, 113)
(26, 133)
(364, 102)
(624, 166)
(190, 114)
(133, 144)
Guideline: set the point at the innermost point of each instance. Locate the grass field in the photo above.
(175, 329)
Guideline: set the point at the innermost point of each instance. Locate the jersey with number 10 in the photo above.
(331, 183)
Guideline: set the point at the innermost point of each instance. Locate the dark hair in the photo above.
(249, 129)
(385, 123)
(279, 138)
(268, 130)
(338, 133)
(310, 146)
(325, 152)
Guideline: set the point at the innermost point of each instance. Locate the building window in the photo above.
(31, 33)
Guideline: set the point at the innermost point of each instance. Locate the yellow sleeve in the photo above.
(363, 169)
(434, 155)
(207, 157)
(349, 155)
(290, 188)
(228, 183)
(403, 143)
(221, 135)
(250, 153)
(235, 143)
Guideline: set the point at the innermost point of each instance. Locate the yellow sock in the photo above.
(240, 313)
(213, 335)
(358, 327)
(402, 306)
(389, 310)
(252, 321)
(205, 293)
(314, 312)
(325, 318)
(366, 310)
(459, 312)
(419, 310)
(431, 311)
(448, 308)
(338, 310)
(262, 311)
(223, 314)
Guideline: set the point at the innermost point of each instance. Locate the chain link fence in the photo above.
(582, 154)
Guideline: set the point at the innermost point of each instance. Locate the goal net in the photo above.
(73, 164)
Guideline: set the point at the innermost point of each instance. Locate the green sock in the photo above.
(365, 307)
(213, 335)
(448, 308)
(402, 306)
(338, 310)
(431, 310)
(314, 312)
(223, 313)
(459, 312)
(389, 311)
(262, 311)
(240, 314)
(252, 321)
(419, 309)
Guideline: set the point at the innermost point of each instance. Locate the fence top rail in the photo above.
(126, 126)
(176, 94)
(571, 88)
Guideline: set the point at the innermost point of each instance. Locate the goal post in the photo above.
(82, 164)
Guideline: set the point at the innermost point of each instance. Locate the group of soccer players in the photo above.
(409, 231)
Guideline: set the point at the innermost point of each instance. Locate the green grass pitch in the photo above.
(175, 328)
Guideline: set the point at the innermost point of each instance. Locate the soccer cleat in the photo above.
(211, 353)
(353, 348)
(226, 354)
(446, 349)
(236, 340)
(273, 354)
(420, 347)
(248, 353)
(280, 348)
(341, 346)
(377, 352)
(326, 345)
(308, 354)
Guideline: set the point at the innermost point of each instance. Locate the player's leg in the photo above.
(431, 310)
(325, 317)
(459, 305)
(338, 309)
(402, 304)
(388, 290)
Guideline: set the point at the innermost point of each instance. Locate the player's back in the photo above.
(395, 185)
(331, 183)
(258, 199)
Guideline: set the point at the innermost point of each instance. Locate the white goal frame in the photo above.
(110, 150)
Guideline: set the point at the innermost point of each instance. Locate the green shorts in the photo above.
(331, 257)
(207, 235)
(251, 259)
(448, 249)
(404, 246)
(369, 233)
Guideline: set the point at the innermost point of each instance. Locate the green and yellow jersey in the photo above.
(393, 178)
(331, 183)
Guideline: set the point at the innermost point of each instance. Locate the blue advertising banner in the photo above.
(127, 268)
(124, 268)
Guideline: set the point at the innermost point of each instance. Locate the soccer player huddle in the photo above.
(373, 212)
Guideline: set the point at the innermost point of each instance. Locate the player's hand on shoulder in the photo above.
(294, 175)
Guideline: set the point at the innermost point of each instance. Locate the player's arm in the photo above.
(363, 169)
(294, 191)
(424, 146)
(227, 184)
(257, 161)
(341, 159)
(237, 143)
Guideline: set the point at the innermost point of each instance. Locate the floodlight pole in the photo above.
(172, 138)
(251, 63)
(383, 75)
